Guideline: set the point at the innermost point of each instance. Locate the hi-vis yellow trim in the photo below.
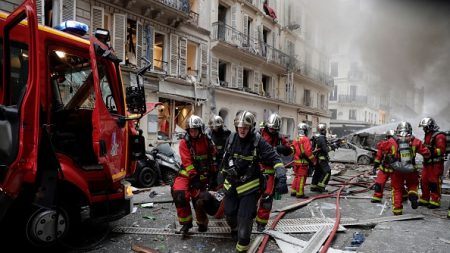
(376, 161)
(247, 186)
(200, 157)
(246, 158)
(301, 161)
(184, 173)
(226, 185)
(438, 151)
(118, 176)
(278, 165)
(189, 168)
(185, 219)
(242, 248)
(393, 150)
(261, 220)
(311, 157)
(268, 171)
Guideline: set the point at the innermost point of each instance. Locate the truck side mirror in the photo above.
(136, 100)
(137, 147)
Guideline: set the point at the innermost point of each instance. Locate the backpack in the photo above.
(405, 162)
(447, 143)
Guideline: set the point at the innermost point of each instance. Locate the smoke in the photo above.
(405, 44)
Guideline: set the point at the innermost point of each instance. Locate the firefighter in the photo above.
(303, 157)
(219, 135)
(407, 147)
(193, 181)
(386, 153)
(322, 171)
(270, 133)
(245, 149)
(433, 167)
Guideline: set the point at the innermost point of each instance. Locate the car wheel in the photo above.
(364, 160)
(146, 177)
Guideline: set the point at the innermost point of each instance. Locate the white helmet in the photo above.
(322, 128)
(428, 124)
(194, 121)
(215, 122)
(274, 121)
(245, 118)
(404, 129)
(302, 129)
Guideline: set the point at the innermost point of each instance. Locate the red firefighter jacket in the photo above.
(197, 156)
(273, 139)
(436, 146)
(386, 153)
(303, 151)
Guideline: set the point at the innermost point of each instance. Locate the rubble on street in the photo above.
(363, 227)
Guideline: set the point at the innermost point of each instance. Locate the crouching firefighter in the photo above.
(197, 154)
(275, 177)
(243, 178)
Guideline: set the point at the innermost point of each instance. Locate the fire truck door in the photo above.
(19, 90)
(109, 136)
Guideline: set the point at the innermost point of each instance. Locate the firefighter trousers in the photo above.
(204, 203)
(298, 184)
(240, 213)
(322, 174)
(266, 201)
(431, 184)
(399, 180)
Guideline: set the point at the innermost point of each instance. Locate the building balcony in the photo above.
(314, 74)
(352, 99)
(193, 18)
(169, 12)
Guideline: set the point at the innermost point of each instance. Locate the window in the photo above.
(158, 52)
(192, 59)
(246, 80)
(333, 113)
(353, 92)
(333, 94)
(334, 70)
(266, 85)
(19, 71)
(130, 57)
(352, 114)
(322, 101)
(223, 73)
(307, 98)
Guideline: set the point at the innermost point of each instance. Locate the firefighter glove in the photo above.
(374, 169)
(281, 185)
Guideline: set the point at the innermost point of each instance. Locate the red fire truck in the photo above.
(66, 137)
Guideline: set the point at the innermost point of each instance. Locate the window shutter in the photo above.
(149, 44)
(234, 33)
(204, 64)
(273, 92)
(240, 77)
(255, 42)
(245, 28)
(119, 24)
(40, 8)
(256, 82)
(139, 42)
(97, 14)
(183, 55)
(214, 71)
(173, 62)
(233, 82)
(261, 40)
(67, 10)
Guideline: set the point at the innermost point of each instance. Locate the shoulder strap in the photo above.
(231, 138)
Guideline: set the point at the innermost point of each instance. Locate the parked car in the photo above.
(350, 153)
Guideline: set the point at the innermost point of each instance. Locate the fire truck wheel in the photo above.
(146, 177)
(47, 226)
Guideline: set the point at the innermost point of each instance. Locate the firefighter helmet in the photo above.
(322, 128)
(390, 133)
(404, 129)
(215, 122)
(274, 121)
(194, 121)
(428, 124)
(302, 129)
(245, 118)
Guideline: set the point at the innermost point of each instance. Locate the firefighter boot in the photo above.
(202, 227)
(185, 229)
(260, 227)
(413, 198)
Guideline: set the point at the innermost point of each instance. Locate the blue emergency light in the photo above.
(73, 27)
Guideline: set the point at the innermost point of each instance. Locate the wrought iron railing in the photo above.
(181, 5)
(352, 99)
(193, 17)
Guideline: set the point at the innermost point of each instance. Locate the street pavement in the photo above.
(430, 234)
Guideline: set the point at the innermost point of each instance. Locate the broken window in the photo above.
(159, 62)
(223, 73)
(266, 81)
(307, 98)
(192, 59)
(246, 81)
